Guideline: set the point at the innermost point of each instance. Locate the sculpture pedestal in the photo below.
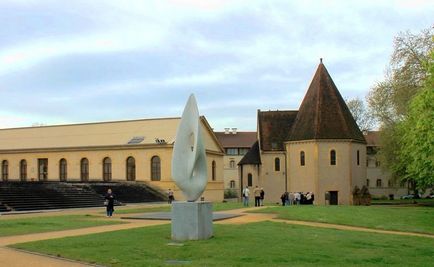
(191, 220)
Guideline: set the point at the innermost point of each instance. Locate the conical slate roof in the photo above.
(323, 113)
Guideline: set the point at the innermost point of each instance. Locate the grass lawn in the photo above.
(49, 224)
(420, 201)
(140, 210)
(407, 219)
(216, 207)
(255, 244)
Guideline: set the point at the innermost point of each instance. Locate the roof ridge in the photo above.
(89, 123)
(318, 105)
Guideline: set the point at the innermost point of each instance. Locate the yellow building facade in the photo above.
(135, 150)
(379, 180)
(236, 144)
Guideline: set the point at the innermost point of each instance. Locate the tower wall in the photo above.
(334, 177)
(302, 178)
(272, 180)
(319, 176)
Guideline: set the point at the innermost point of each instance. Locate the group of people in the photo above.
(291, 198)
(297, 198)
(259, 194)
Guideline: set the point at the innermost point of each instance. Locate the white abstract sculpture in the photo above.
(189, 159)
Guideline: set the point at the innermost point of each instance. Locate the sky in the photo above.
(86, 61)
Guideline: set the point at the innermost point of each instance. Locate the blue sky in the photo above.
(85, 61)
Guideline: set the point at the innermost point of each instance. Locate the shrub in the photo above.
(230, 193)
(383, 197)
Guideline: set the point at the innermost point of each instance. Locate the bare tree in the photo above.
(388, 100)
(361, 114)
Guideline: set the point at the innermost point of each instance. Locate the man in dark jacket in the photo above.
(110, 202)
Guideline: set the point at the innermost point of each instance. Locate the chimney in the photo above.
(234, 130)
(227, 130)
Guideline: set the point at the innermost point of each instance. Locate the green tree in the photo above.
(389, 100)
(416, 141)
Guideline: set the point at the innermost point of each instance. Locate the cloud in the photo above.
(99, 60)
(22, 57)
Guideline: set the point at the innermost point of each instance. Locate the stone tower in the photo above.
(326, 151)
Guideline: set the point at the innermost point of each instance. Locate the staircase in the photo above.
(3, 208)
(25, 196)
(129, 192)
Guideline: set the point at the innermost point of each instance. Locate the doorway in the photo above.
(43, 169)
(333, 197)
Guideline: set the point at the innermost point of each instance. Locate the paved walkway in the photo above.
(15, 258)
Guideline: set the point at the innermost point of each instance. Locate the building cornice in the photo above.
(97, 148)
(326, 141)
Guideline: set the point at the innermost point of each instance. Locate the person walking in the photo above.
(257, 193)
(262, 196)
(246, 193)
(109, 202)
(170, 197)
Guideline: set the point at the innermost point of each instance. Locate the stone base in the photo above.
(191, 221)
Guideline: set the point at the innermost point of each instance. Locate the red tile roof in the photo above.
(372, 138)
(240, 139)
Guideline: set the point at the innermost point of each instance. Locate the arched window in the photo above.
(232, 184)
(277, 164)
(367, 182)
(131, 169)
(84, 169)
(23, 170)
(333, 157)
(379, 184)
(249, 180)
(213, 167)
(232, 164)
(5, 170)
(358, 157)
(155, 168)
(63, 170)
(302, 160)
(107, 169)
